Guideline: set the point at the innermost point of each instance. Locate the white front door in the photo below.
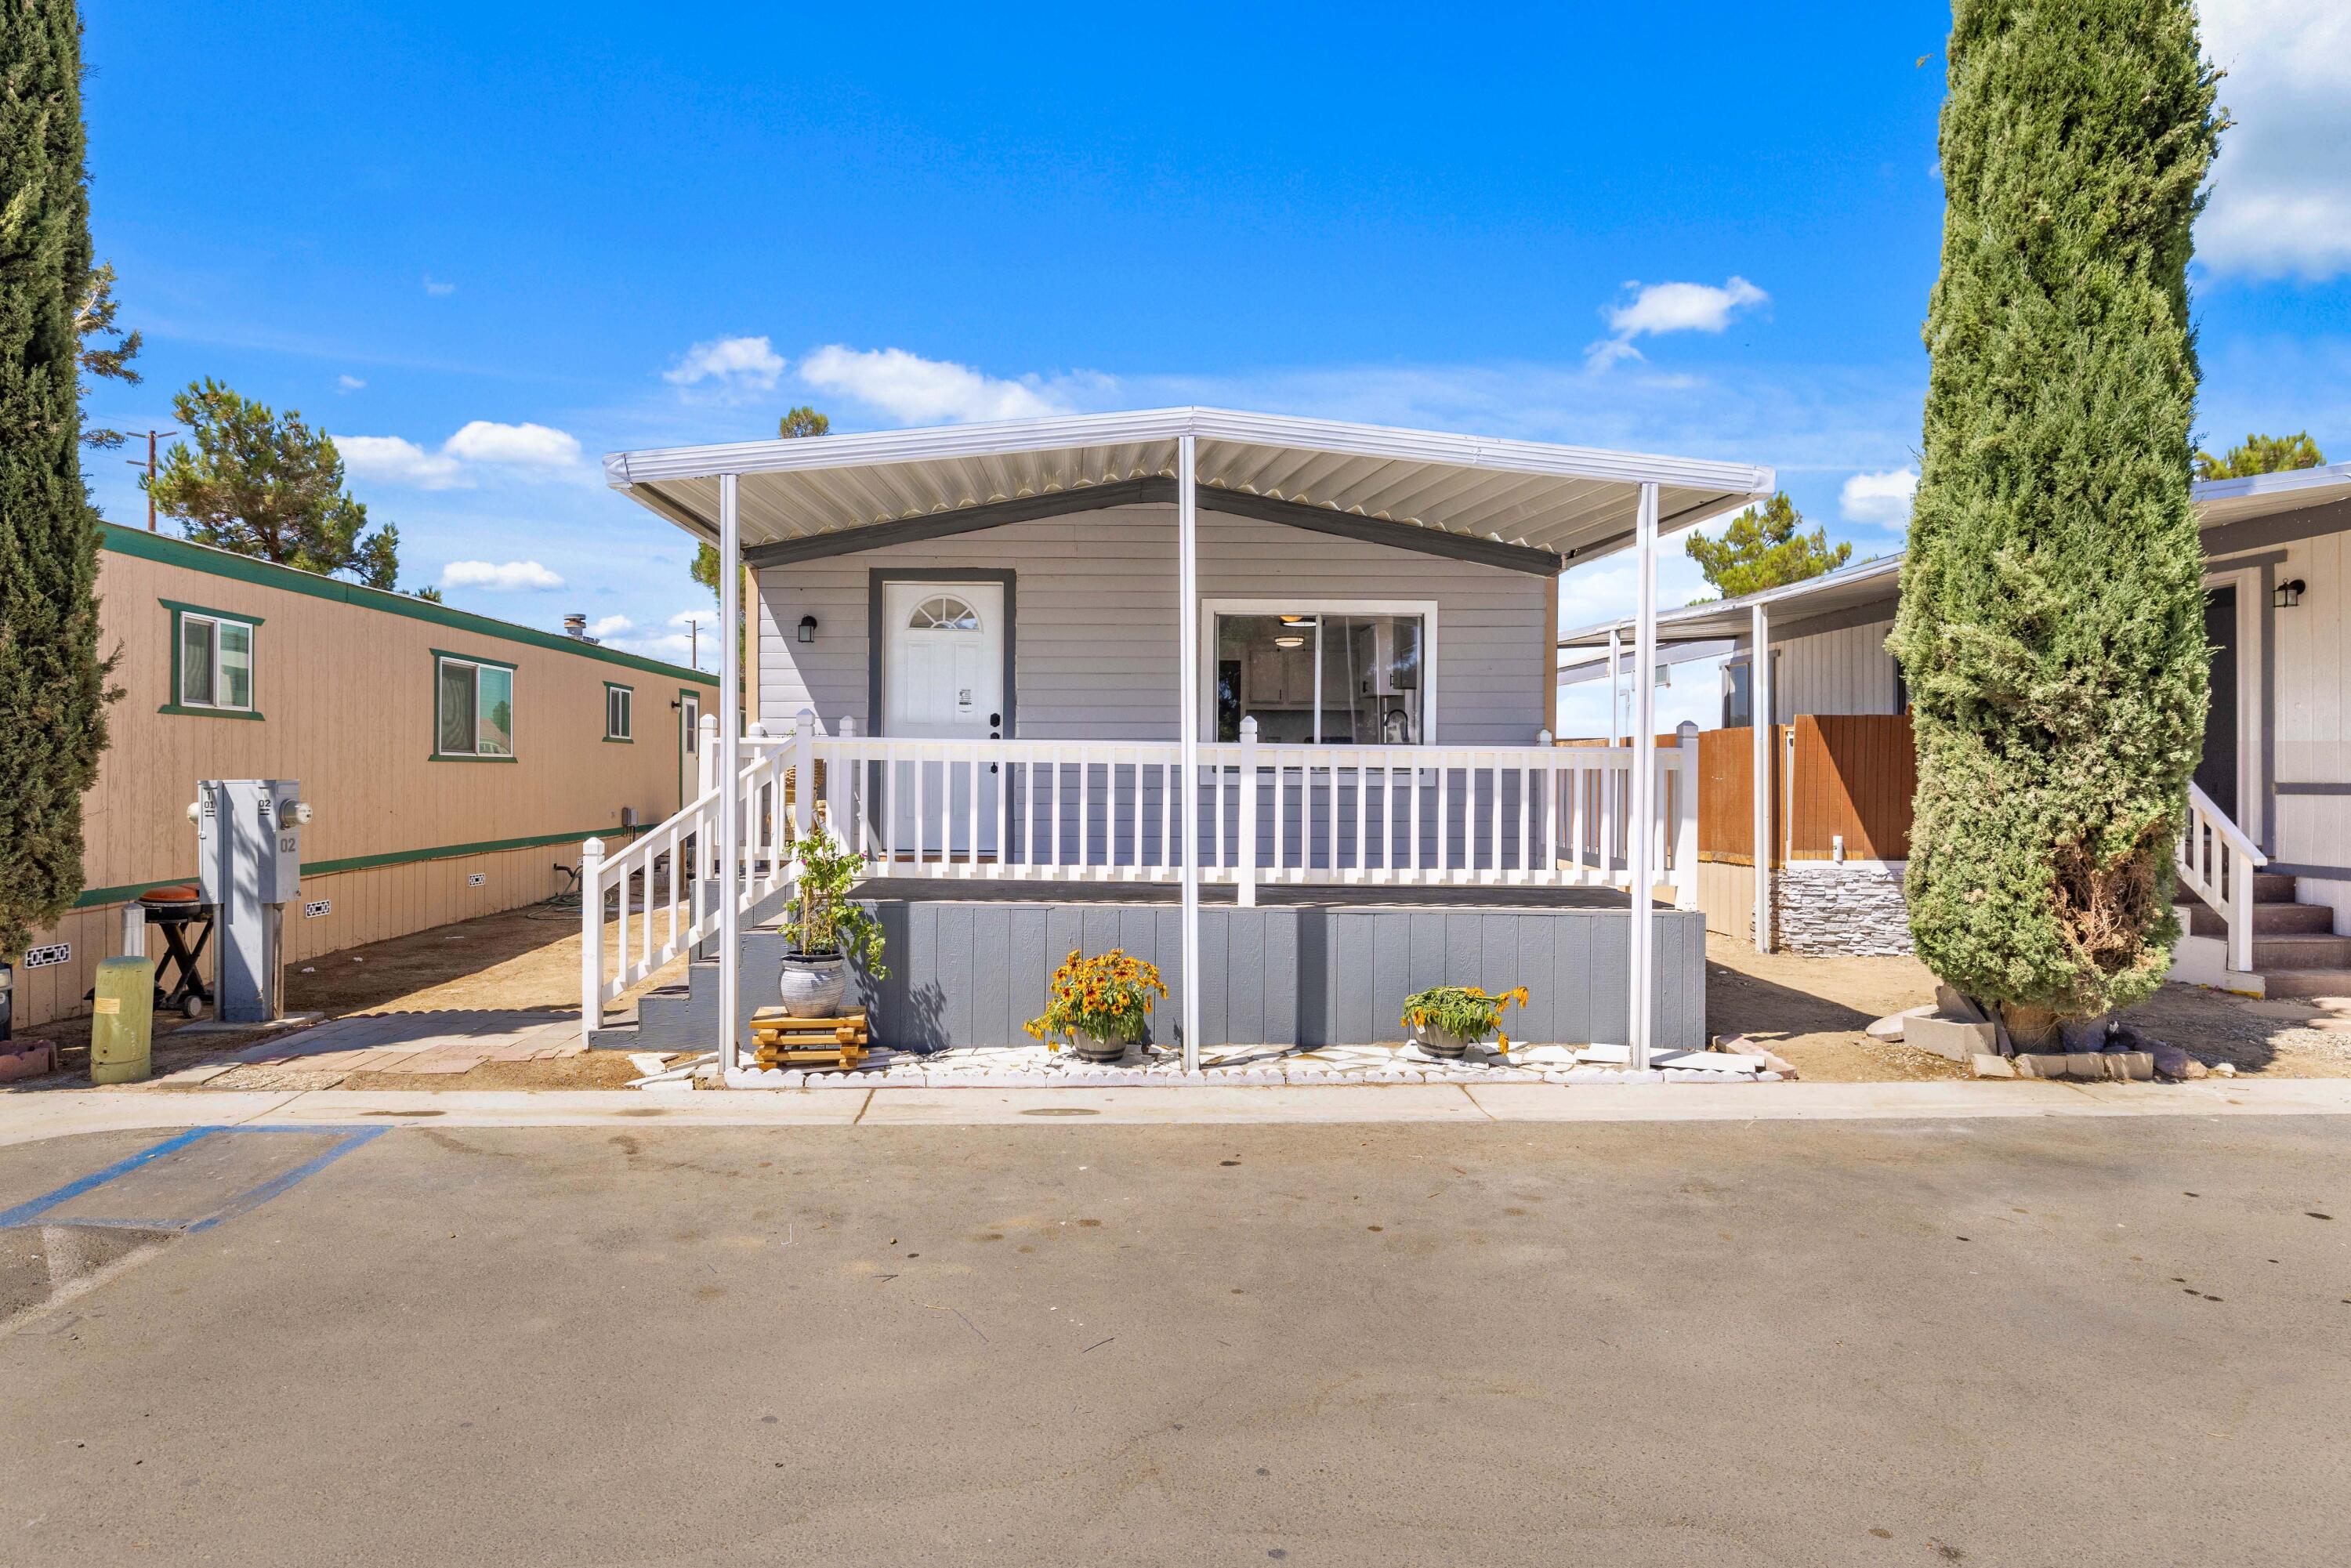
(943, 679)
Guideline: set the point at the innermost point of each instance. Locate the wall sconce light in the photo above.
(807, 628)
(2287, 595)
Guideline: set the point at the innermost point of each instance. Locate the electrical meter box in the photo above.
(249, 867)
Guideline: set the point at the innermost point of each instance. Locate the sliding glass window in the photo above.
(1323, 676)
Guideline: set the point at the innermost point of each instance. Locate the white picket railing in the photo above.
(2217, 862)
(1104, 811)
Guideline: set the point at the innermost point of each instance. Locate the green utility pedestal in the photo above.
(122, 1022)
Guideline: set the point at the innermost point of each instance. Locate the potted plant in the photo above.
(1101, 1005)
(1446, 1020)
(826, 927)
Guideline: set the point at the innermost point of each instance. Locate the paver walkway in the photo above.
(433, 1041)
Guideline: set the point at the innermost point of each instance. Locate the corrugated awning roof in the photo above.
(1569, 502)
(1847, 587)
(2219, 502)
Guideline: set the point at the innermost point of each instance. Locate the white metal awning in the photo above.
(2221, 502)
(1571, 503)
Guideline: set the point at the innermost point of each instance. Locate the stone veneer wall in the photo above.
(1850, 906)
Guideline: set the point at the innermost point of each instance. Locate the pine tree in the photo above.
(2262, 455)
(53, 691)
(2052, 620)
(1764, 549)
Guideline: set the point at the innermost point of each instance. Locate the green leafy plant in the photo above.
(825, 920)
(1466, 1012)
(1108, 996)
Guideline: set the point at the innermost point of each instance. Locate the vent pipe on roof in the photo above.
(575, 625)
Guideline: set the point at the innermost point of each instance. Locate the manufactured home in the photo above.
(1266, 700)
(2271, 795)
(455, 762)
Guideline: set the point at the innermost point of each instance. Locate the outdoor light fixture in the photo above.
(2287, 595)
(807, 628)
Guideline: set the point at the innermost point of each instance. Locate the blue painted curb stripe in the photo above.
(25, 1213)
(347, 1139)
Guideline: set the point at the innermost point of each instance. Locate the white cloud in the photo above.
(395, 461)
(748, 364)
(610, 626)
(438, 289)
(680, 644)
(499, 576)
(1880, 499)
(349, 383)
(516, 451)
(1660, 308)
(2282, 188)
(513, 445)
(916, 391)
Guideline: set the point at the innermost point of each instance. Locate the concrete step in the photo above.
(2312, 952)
(2270, 888)
(2269, 920)
(2329, 982)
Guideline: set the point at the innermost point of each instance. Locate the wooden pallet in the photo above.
(839, 1043)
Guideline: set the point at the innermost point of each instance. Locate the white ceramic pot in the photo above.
(812, 987)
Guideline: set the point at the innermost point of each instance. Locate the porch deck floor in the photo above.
(1354, 895)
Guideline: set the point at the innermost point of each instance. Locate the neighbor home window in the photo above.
(620, 713)
(211, 662)
(473, 707)
(1324, 674)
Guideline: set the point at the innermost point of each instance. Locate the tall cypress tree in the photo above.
(2052, 622)
(52, 681)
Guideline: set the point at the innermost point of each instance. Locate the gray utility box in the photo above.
(250, 861)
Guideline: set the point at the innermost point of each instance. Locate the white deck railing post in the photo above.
(1686, 815)
(1644, 784)
(1245, 869)
(803, 771)
(1187, 643)
(591, 939)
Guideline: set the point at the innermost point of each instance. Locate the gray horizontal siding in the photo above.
(1095, 643)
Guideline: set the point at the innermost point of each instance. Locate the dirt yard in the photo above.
(524, 960)
(1813, 1012)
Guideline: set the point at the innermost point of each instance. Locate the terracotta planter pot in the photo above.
(813, 987)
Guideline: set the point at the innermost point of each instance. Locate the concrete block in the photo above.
(1891, 1026)
(1949, 1001)
(27, 1059)
(2045, 1066)
(1985, 1065)
(1950, 1036)
(2083, 1065)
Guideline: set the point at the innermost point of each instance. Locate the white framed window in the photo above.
(1320, 672)
(619, 712)
(472, 708)
(211, 662)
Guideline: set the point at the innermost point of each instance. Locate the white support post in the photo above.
(804, 772)
(1614, 803)
(1686, 815)
(730, 768)
(1187, 620)
(1644, 808)
(706, 755)
(591, 940)
(1245, 871)
(1759, 719)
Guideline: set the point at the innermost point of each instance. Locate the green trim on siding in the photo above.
(207, 712)
(251, 622)
(473, 659)
(461, 757)
(630, 738)
(93, 897)
(436, 754)
(236, 567)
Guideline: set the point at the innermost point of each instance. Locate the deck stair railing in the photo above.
(2216, 863)
(1105, 811)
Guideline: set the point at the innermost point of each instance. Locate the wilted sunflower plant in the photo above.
(1466, 1012)
(1108, 996)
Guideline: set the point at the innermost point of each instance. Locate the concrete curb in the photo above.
(56, 1113)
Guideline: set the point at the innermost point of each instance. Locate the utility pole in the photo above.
(693, 640)
(150, 467)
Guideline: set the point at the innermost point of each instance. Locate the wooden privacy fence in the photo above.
(1848, 775)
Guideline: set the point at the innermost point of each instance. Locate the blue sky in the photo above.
(483, 246)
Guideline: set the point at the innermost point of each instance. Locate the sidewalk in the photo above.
(56, 1114)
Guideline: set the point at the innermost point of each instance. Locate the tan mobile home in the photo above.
(455, 762)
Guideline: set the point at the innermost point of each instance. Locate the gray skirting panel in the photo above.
(969, 974)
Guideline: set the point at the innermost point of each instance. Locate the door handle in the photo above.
(994, 718)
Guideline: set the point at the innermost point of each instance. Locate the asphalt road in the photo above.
(2066, 1342)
